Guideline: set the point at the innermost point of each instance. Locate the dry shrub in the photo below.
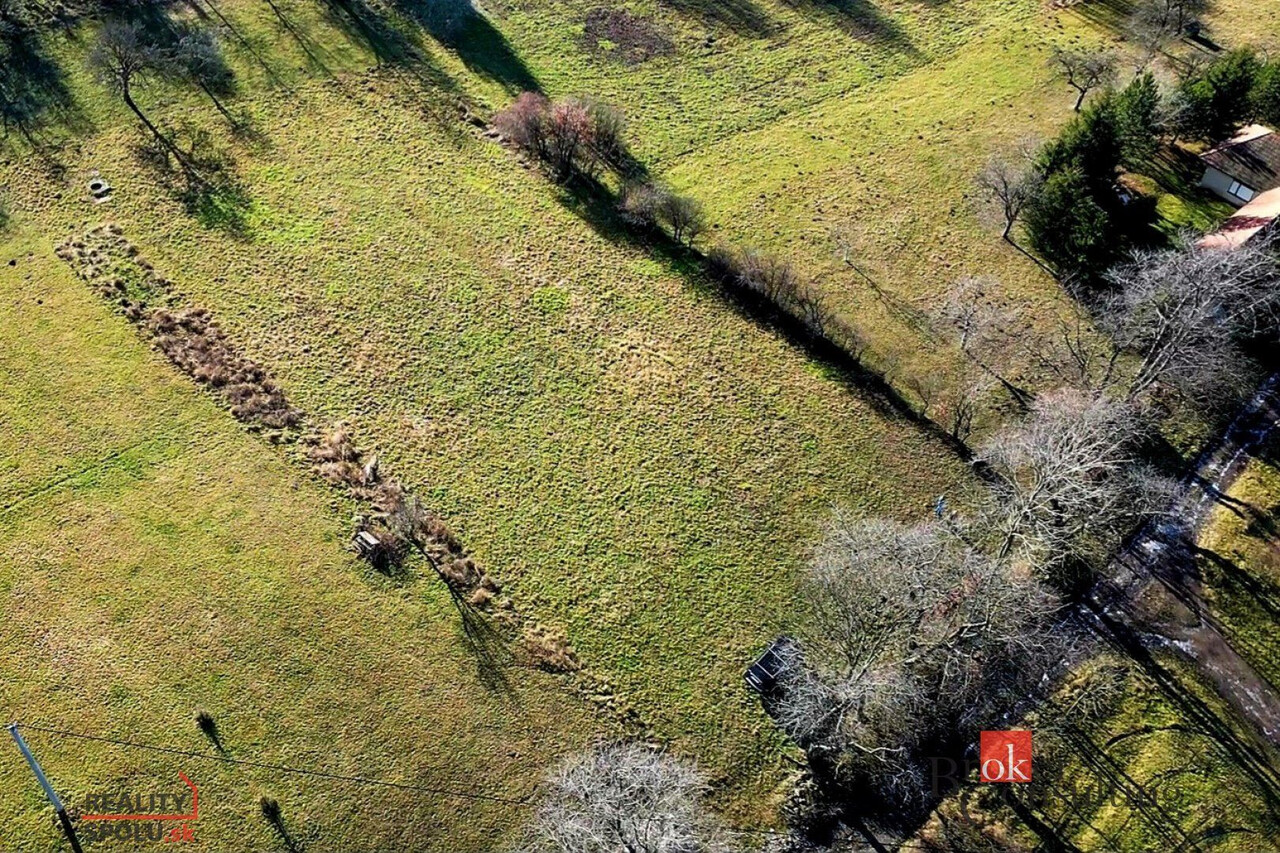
(461, 572)
(549, 649)
(336, 458)
(646, 206)
(574, 136)
(188, 336)
(523, 123)
(193, 342)
(110, 264)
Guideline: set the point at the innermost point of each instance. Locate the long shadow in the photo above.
(1244, 583)
(1244, 754)
(490, 648)
(271, 812)
(1136, 794)
(860, 19)
(1113, 15)
(310, 48)
(33, 89)
(492, 652)
(742, 17)
(479, 44)
(360, 22)
(392, 40)
(597, 206)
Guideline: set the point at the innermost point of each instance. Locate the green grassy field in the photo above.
(633, 459)
(158, 561)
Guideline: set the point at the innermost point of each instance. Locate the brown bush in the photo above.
(549, 649)
(195, 344)
(575, 136)
(523, 123)
(638, 205)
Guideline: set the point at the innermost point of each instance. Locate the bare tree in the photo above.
(648, 205)
(122, 58)
(1183, 312)
(1070, 484)
(913, 635)
(524, 122)
(576, 136)
(683, 215)
(1084, 70)
(197, 56)
(626, 797)
(1156, 23)
(570, 140)
(1075, 353)
(609, 131)
(1009, 182)
(982, 328)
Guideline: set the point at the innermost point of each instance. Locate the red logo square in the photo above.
(1005, 756)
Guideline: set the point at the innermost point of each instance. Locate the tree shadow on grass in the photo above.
(487, 644)
(204, 182)
(491, 649)
(742, 17)
(1239, 583)
(1113, 15)
(33, 90)
(1242, 752)
(311, 49)
(860, 19)
(360, 22)
(479, 44)
(392, 40)
(595, 204)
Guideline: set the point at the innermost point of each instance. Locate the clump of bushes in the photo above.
(398, 520)
(775, 281)
(195, 343)
(188, 336)
(651, 206)
(574, 137)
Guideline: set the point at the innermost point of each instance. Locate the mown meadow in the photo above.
(638, 462)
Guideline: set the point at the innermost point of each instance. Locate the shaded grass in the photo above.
(1127, 768)
(1240, 564)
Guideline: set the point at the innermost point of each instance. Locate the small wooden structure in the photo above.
(368, 546)
(762, 676)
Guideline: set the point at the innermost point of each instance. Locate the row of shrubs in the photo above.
(582, 137)
(188, 336)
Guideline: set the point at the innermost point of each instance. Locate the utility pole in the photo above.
(48, 789)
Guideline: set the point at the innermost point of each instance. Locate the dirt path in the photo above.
(1157, 573)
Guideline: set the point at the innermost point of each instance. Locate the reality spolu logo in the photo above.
(151, 816)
